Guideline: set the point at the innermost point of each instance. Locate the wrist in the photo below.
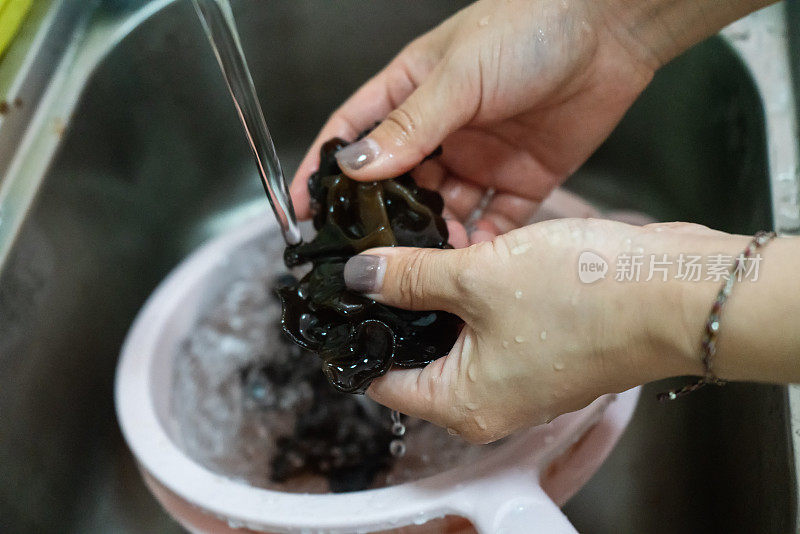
(659, 30)
(657, 322)
(660, 314)
(643, 334)
(679, 307)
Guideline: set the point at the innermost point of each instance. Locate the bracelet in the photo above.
(709, 344)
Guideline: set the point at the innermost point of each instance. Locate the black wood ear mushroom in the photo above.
(357, 338)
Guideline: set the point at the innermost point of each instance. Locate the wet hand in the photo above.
(537, 342)
(519, 93)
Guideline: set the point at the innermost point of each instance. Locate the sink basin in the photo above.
(151, 163)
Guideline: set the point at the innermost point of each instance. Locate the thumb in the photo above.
(410, 132)
(410, 278)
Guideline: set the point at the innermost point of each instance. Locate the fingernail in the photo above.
(358, 154)
(364, 273)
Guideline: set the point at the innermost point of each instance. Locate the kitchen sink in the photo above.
(148, 162)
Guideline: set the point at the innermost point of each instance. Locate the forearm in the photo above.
(665, 28)
(759, 337)
(759, 327)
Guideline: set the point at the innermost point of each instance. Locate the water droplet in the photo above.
(472, 372)
(398, 448)
(398, 428)
(258, 391)
(518, 294)
(452, 431)
(521, 249)
(466, 346)
(306, 322)
(543, 335)
(480, 422)
(558, 366)
(519, 339)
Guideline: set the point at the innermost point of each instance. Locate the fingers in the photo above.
(409, 391)
(337, 126)
(411, 278)
(562, 203)
(503, 214)
(484, 231)
(491, 157)
(424, 393)
(373, 101)
(458, 234)
(441, 105)
(440, 393)
(460, 196)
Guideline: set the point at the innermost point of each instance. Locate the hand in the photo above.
(519, 93)
(538, 343)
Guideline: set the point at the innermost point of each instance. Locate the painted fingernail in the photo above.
(364, 273)
(358, 155)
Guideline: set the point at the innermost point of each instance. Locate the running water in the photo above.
(233, 402)
(240, 392)
(397, 447)
(220, 27)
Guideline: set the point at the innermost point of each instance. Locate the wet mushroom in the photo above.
(358, 338)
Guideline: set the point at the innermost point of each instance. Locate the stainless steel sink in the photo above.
(148, 162)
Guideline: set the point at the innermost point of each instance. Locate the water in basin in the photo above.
(232, 409)
(135, 188)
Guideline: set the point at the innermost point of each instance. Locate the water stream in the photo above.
(220, 27)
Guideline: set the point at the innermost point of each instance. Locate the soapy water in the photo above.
(242, 395)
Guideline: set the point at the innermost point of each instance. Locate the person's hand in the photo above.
(537, 341)
(519, 93)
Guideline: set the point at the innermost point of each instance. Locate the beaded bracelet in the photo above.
(709, 344)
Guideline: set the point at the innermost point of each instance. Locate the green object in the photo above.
(14, 52)
(12, 13)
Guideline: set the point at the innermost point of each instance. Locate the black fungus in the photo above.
(358, 338)
(340, 437)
